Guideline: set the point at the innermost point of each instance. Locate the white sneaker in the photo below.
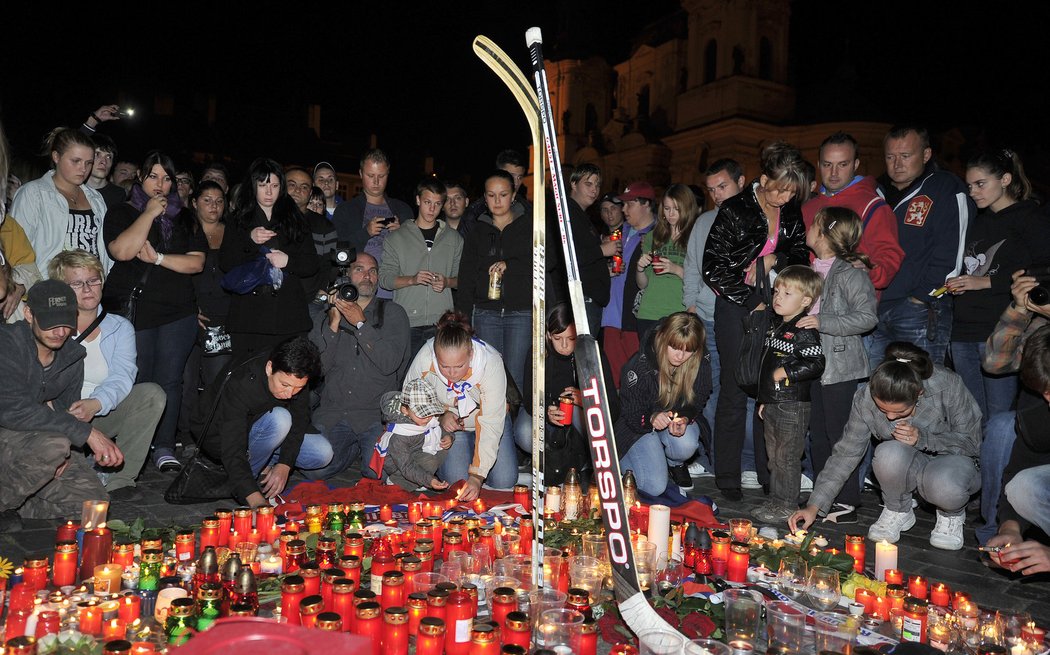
(807, 484)
(698, 470)
(948, 533)
(749, 480)
(890, 525)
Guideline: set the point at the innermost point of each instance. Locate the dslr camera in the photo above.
(1040, 295)
(343, 255)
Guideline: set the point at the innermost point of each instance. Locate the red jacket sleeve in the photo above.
(879, 242)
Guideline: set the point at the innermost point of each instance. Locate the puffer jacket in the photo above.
(847, 310)
(738, 235)
(798, 351)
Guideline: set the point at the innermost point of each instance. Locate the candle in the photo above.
(385, 513)
(130, 608)
(107, 578)
(242, 520)
(123, 555)
(893, 576)
(225, 517)
(209, 532)
(940, 595)
(65, 570)
(882, 607)
(395, 631)
(940, 637)
(552, 501)
(113, 629)
(143, 648)
(271, 565)
(660, 530)
(867, 598)
(918, 587)
(67, 531)
(1033, 634)
(523, 497)
(855, 548)
(736, 568)
(720, 546)
(885, 558)
(264, 520)
(90, 615)
(638, 517)
(958, 598)
(98, 548)
(93, 514)
(415, 512)
(34, 572)
(740, 529)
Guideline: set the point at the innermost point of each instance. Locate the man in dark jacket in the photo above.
(42, 464)
(933, 210)
(253, 419)
(364, 351)
(585, 185)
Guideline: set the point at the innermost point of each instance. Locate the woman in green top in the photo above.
(659, 270)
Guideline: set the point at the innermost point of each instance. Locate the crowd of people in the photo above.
(278, 327)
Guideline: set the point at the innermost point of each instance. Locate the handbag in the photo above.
(202, 479)
(245, 278)
(756, 326)
(128, 307)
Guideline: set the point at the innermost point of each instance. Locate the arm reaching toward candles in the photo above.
(1028, 557)
(802, 518)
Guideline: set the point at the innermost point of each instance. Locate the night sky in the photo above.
(406, 72)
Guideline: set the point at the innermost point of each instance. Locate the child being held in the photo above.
(413, 446)
(791, 360)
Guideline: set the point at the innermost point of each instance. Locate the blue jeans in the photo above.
(1029, 495)
(161, 358)
(650, 456)
(502, 475)
(510, 333)
(999, 435)
(349, 447)
(267, 435)
(785, 426)
(927, 325)
(994, 393)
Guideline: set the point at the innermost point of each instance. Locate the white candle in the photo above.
(660, 530)
(271, 565)
(885, 558)
(676, 542)
(552, 501)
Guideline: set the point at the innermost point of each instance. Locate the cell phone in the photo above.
(388, 220)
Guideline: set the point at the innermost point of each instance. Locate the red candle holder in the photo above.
(395, 631)
(638, 518)
(940, 595)
(343, 600)
(64, 571)
(130, 608)
(67, 531)
(124, 554)
(894, 576)
(918, 587)
(736, 568)
(34, 572)
(867, 598)
(225, 517)
(242, 520)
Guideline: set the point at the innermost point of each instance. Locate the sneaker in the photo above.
(734, 495)
(749, 480)
(698, 470)
(890, 525)
(807, 484)
(771, 512)
(948, 533)
(680, 476)
(842, 514)
(166, 463)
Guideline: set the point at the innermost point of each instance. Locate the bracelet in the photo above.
(95, 116)
(160, 258)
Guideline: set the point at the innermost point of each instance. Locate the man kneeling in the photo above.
(253, 419)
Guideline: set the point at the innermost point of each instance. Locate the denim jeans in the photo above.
(650, 456)
(785, 427)
(162, 355)
(417, 336)
(268, 433)
(1029, 495)
(994, 393)
(349, 447)
(502, 475)
(945, 481)
(511, 334)
(999, 435)
(927, 325)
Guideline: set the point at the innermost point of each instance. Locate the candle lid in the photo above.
(437, 597)
(209, 591)
(364, 594)
(223, 513)
(518, 622)
(311, 604)
(242, 609)
(231, 567)
(330, 622)
(244, 583)
(293, 584)
(182, 607)
(65, 547)
(431, 626)
(483, 634)
(343, 586)
(368, 610)
(393, 578)
(513, 649)
(310, 570)
(208, 562)
(242, 512)
(395, 615)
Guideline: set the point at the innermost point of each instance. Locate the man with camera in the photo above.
(364, 352)
(421, 264)
(1022, 438)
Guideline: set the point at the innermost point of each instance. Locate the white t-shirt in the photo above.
(96, 370)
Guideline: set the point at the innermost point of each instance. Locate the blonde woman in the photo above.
(662, 392)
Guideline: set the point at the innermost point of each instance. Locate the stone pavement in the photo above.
(959, 570)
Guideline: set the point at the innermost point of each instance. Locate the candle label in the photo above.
(911, 629)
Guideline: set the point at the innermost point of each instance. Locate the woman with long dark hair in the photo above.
(662, 393)
(660, 270)
(267, 218)
(152, 241)
(762, 221)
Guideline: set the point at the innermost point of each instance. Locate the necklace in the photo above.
(72, 198)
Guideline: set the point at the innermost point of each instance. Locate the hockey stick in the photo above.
(634, 607)
(506, 70)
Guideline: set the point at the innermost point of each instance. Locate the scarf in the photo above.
(139, 199)
(431, 441)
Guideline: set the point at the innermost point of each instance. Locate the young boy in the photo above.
(791, 360)
(413, 445)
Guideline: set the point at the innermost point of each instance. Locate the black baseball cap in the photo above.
(53, 303)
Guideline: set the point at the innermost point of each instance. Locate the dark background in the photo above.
(406, 73)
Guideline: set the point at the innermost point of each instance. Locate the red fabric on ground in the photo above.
(374, 492)
(696, 512)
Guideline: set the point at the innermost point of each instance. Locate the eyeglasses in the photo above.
(79, 286)
(183, 181)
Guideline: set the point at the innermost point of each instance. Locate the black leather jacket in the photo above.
(799, 352)
(738, 235)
